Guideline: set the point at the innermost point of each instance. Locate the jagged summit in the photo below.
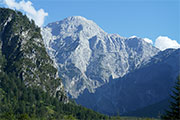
(78, 18)
(76, 24)
(75, 19)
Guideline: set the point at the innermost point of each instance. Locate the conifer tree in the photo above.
(174, 109)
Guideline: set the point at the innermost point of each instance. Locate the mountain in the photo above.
(106, 72)
(87, 57)
(30, 87)
(24, 54)
(150, 84)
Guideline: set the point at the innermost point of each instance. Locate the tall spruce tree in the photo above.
(174, 109)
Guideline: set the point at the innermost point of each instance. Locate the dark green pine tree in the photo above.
(174, 112)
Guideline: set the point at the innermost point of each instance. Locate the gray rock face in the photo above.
(87, 57)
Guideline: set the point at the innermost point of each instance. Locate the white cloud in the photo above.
(148, 40)
(37, 15)
(163, 42)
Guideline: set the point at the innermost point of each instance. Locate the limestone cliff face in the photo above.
(87, 57)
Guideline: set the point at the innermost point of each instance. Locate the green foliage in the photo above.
(8, 116)
(174, 112)
(21, 102)
(69, 117)
(24, 117)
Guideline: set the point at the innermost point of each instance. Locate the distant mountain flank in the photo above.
(147, 85)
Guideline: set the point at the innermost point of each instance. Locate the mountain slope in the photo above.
(22, 46)
(87, 57)
(144, 86)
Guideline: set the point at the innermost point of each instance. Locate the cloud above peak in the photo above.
(27, 7)
(163, 42)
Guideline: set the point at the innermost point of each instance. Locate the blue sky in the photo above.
(142, 18)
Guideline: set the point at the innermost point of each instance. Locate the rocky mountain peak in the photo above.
(76, 24)
(87, 57)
